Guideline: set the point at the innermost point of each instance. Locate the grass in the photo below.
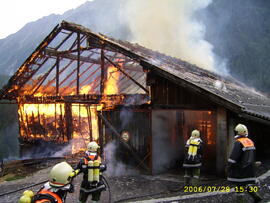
(11, 177)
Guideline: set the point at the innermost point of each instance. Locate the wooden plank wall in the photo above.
(165, 92)
(138, 125)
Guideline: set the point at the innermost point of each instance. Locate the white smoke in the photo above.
(171, 27)
(64, 151)
(220, 85)
(114, 166)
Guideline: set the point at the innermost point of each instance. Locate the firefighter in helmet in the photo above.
(192, 161)
(55, 190)
(241, 164)
(91, 167)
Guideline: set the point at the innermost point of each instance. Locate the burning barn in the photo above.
(79, 86)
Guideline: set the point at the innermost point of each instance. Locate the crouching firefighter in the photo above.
(241, 165)
(91, 168)
(192, 161)
(55, 190)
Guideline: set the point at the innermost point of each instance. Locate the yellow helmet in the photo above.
(195, 134)
(29, 193)
(92, 146)
(59, 174)
(241, 129)
(25, 199)
(27, 196)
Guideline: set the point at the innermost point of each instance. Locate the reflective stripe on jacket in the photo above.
(241, 163)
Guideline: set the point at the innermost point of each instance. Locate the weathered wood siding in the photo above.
(165, 92)
(137, 123)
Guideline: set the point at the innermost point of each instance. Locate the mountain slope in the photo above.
(100, 16)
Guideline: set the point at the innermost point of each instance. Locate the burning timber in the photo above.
(79, 86)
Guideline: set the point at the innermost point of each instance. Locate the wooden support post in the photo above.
(78, 63)
(232, 124)
(39, 121)
(89, 122)
(221, 141)
(38, 115)
(102, 73)
(80, 126)
(62, 122)
(69, 124)
(100, 135)
(55, 119)
(33, 118)
(57, 76)
(27, 124)
(22, 123)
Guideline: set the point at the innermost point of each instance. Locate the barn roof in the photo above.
(225, 91)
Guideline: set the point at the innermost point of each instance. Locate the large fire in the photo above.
(111, 86)
(49, 122)
(34, 117)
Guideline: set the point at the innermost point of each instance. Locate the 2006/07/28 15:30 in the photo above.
(220, 188)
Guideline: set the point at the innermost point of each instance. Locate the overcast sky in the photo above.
(14, 14)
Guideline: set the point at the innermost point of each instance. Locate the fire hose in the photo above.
(92, 190)
(23, 188)
(108, 186)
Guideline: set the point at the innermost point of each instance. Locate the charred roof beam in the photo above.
(51, 52)
(127, 75)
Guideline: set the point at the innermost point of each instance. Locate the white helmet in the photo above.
(195, 134)
(60, 174)
(241, 129)
(92, 146)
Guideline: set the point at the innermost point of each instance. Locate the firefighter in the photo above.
(55, 190)
(241, 164)
(192, 162)
(91, 168)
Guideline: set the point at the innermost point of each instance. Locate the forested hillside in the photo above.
(240, 33)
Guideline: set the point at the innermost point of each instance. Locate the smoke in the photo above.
(126, 115)
(171, 27)
(64, 151)
(114, 166)
(166, 153)
(220, 85)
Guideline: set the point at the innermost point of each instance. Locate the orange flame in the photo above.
(113, 76)
(47, 122)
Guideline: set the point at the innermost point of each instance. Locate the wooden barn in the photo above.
(79, 86)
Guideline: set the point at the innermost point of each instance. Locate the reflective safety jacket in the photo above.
(241, 163)
(193, 154)
(46, 196)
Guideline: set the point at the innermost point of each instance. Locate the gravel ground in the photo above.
(144, 187)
